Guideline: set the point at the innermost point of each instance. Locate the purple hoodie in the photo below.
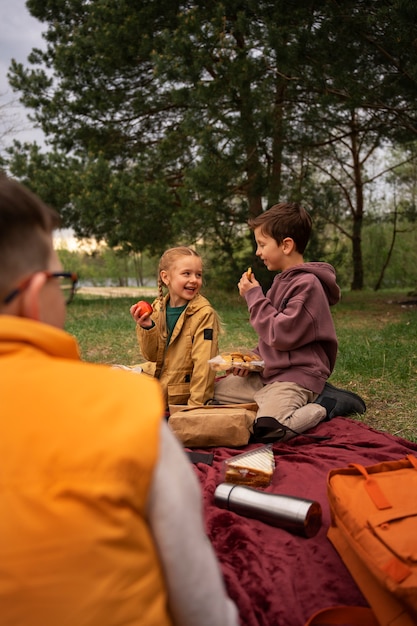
(297, 337)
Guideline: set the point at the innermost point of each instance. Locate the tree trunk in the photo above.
(390, 251)
(357, 210)
(357, 261)
(275, 170)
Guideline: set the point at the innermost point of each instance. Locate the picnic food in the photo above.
(249, 273)
(142, 307)
(253, 468)
(237, 357)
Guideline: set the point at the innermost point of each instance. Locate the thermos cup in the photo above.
(297, 515)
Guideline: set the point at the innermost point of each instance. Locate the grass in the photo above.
(377, 346)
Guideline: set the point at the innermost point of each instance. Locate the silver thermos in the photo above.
(297, 515)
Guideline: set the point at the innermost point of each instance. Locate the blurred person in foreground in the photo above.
(101, 516)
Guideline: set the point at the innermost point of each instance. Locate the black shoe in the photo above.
(269, 430)
(345, 402)
(329, 404)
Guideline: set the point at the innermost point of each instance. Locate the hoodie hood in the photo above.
(323, 271)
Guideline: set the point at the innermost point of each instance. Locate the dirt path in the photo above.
(118, 292)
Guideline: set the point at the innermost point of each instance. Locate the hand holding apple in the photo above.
(141, 309)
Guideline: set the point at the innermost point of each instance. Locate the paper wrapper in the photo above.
(136, 369)
(254, 468)
(239, 357)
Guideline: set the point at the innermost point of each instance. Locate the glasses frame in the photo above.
(49, 275)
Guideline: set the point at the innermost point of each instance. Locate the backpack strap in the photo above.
(352, 615)
(413, 460)
(372, 487)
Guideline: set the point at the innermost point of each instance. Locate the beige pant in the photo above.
(288, 403)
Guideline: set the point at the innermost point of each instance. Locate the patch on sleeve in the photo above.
(208, 334)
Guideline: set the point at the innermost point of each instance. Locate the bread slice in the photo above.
(254, 468)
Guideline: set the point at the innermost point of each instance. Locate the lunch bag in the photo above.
(374, 529)
(213, 425)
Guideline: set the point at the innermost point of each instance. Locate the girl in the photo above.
(181, 334)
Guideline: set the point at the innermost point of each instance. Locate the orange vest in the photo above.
(78, 447)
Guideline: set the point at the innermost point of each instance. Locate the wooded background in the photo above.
(173, 122)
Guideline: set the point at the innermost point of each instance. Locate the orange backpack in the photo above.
(374, 529)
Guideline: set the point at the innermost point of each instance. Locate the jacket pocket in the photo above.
(178, 393)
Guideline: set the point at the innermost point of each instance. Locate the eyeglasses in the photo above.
(67, 280)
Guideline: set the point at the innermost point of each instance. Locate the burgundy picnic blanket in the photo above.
(277, 578)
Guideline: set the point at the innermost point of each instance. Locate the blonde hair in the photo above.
(166, 261)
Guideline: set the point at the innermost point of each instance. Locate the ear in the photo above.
(30, 301)
(164, 277)
(288, 245)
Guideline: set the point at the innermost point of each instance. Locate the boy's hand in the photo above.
(245, 284)
(240, 371)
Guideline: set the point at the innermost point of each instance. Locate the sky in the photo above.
(19, 33)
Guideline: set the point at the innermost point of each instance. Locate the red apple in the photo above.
(143, 307)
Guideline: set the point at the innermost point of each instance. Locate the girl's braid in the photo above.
(162, 316)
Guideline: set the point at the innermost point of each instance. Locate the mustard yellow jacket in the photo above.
(78, 446)
(182, 367)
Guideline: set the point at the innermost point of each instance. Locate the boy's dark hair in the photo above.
(26, 224)
(286, 219)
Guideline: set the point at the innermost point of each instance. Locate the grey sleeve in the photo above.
(196, 591)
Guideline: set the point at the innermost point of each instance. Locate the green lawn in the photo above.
(377, 346)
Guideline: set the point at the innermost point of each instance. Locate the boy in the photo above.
(101, 520)
(297, 338)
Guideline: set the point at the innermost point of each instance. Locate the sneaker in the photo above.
(329, 404)
(345, 402)
(269, 430)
